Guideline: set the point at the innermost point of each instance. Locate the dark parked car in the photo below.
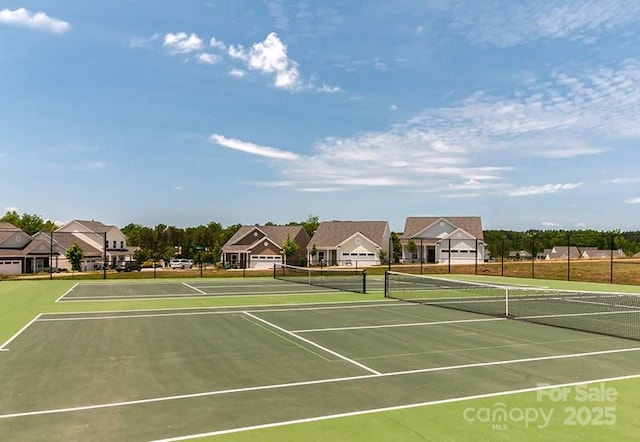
(128, 266)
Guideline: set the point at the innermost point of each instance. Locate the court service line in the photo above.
(3, 347)
(308, 341)
(316, 382)
(213, 310)
(194, 288)
(410, 324)
(393, 408)
(67, 292)
(189, 295)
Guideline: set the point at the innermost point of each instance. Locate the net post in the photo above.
(386, 284)
(364, 281)
(506, 302)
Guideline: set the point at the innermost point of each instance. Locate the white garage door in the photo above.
(8, 267)
(265, 261)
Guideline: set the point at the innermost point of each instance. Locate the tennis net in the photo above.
(348, 280)
(613, 314)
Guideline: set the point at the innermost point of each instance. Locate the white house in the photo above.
(349, 243)
(443, 240)
(101, 244)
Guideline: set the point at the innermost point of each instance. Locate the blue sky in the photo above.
(526, 113)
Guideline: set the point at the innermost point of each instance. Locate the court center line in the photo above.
(308, 341)
(393, 408)
(409, 324)
(307, 383)
(3, 347)
(194, 288)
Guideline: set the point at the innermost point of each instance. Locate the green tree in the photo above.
(289, 248)
(30, 224)
(75, 254)
(396, 246)
(412, 248)
(382, 254)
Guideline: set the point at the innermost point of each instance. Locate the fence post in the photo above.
(568, 256)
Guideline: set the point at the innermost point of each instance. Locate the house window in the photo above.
(115, 243)
(122, 244)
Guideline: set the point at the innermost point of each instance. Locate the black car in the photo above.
(128, 266)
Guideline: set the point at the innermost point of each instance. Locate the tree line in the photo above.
(501, 242)
(205, 241)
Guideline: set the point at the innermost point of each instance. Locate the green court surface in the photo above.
(158, 289)
(296, 365)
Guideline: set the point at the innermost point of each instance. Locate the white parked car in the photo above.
(181, 263)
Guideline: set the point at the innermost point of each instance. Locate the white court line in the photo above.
(189, 296)
(238, 309)
(393, 408)
(316, 382)
(410, 324)
(67, 292)
(3, 347)
(193, 288)
(344, 358)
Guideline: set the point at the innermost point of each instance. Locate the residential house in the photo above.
(260, 247)
(102, 245)
(594, 253)
(443, 240)
(21, 253)
(521, 255)
(350, 243)
(560, 252)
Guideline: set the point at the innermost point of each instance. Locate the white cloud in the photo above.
(329, 89)
(506, 24)
(550, 224)
(569, 152)
(632, 200)
(393, 107)
(143, 42)
(252, 148)
(208, 58)
(237, 73)
(181, 43)
(483, 143)
(544, 189)
(270, 57)
(621, 180)
(217, 44)
(39, 21)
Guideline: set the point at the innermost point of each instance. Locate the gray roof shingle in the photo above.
(332, 233)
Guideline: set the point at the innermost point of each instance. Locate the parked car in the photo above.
(128, 266)
(181, 263)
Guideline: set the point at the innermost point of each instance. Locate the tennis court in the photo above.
(174, 373)
(299, 281)
(98, 291)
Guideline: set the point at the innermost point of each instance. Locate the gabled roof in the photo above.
(7, 229)
(563, 252)
(276, 234)
(332, 233)
(66, 240)
(416, 224)
(90, 226)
